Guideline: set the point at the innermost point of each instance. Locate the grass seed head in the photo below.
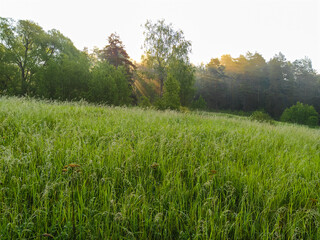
(154, 165)
(212, 172)
(73, 165)
(47, 235)
(313, 200)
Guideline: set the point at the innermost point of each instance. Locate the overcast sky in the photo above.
(215, 27)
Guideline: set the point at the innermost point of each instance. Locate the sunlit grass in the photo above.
(145, 174)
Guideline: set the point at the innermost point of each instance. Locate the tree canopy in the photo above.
(116, 54)
(163, 44)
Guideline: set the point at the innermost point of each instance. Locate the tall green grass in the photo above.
(153, 175)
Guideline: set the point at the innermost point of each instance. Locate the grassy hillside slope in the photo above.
(146, 174)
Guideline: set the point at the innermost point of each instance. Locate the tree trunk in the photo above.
(23, 82)
(161, 85)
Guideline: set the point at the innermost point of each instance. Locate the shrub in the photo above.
(184, 109)
(301, 114)
(159, 104)
(261, 116)
(171, 98)
(144, 102)
(313, 121)
(200, 103)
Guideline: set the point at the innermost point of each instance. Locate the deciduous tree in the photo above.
(162, 43)
(27, 46)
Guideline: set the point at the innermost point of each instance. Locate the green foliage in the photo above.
(248, 83)
(27, 47)
(163, 44)
(46, 64)
(145, 102)
(117, 56)
(184, 73)
(199, 104)
(184, 109)
(9, 74)
(146, 174)
(301, 114)
(171, 98)
(160, 104)
(261, 116)
(313, 121)
(65, 77)
(109, 84)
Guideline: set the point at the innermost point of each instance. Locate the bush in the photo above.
(109, 84)
(159, 104)
(144, 102)
(184, 109)
(313, 121)
(261, 116)
(200, 104)
(301, 114)
(171, 98)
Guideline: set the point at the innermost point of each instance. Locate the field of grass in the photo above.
(145, 174)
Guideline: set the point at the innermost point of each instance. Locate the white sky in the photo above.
(215, 27)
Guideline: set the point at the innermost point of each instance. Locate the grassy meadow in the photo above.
(78, 171)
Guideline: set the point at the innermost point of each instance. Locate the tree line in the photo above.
(249, 82)
(46, 64)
